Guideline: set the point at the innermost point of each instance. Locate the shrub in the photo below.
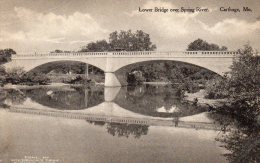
(35, 78)
(135, 77)
(216, 88)
(80, 80)
(19, 76)
(14, 75)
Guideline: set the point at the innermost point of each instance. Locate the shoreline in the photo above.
(202, 101)
(17, 86)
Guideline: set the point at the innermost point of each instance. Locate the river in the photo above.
(147, 123)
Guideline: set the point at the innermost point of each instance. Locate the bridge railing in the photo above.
(63, 54)
(128, 53)
(175, 53)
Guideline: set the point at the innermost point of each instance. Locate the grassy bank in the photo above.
(201, 100)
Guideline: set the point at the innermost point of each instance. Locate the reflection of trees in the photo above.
(146, 99)
(11, 96)
(2, 99)
(123, 129)
(243, 147)
(240, 138)
(15, 96)
(66, 98)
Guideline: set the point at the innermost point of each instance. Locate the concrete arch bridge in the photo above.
(110, 62)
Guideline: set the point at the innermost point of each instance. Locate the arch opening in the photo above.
(64, 71)
(163, 71)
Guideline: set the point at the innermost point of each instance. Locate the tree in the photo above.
(35, 78)
(123, 40)
(97, 46)
(14, 75)
(244, 85)
(5, 55)
(138, 41)
(201, 45)
(241, 87)
(217, 88)
(242, 109)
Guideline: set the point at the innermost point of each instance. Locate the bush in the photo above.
(14, 75)
(35, 78)
(135, 78)
(80, 80)
(216, 88)
(19, 76)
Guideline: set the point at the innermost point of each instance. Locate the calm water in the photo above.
(97, 140)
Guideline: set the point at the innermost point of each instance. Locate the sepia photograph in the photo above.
(137, 81)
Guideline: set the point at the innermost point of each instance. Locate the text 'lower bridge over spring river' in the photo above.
(110, 62)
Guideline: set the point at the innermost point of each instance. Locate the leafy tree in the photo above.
(35, 78)
(244, 86)
(241, 86)
(201, 45)
(5, 55)
(14, 75)
(98, 46)
(123, 40)
(217, 88)
(17, 75)
(138, 41)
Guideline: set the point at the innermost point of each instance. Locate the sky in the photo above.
(43, 26)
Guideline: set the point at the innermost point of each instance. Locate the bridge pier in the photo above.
(111, 80)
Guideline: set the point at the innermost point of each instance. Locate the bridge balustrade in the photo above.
(129, 53)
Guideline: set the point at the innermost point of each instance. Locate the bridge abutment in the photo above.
(111, 80)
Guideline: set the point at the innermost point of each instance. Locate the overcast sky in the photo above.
(41, 25)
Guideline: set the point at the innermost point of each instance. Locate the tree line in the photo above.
(123, 40)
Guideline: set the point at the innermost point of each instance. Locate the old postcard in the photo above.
(140, 81)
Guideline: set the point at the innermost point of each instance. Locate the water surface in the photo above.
(83, 140)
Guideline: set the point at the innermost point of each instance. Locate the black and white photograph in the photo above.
(129, 81)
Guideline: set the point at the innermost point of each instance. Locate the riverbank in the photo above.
(157, 83)
(11, 86)
(201, 100)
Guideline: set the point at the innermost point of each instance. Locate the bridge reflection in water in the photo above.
(128, 105)
(173, 122)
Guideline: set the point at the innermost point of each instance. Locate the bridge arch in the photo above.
(122, 72)
(48, 67)
(31, 63)
(214, 64)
